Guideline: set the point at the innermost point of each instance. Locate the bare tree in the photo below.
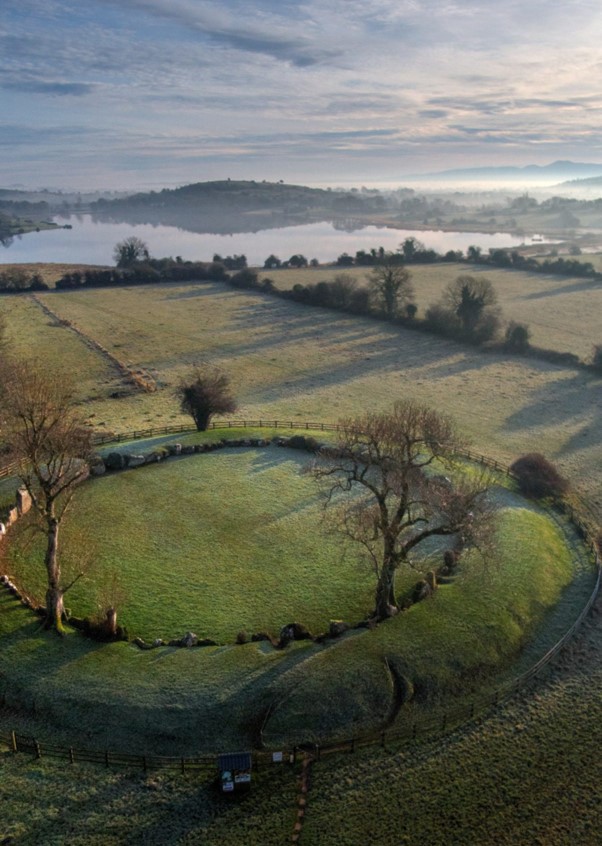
(205, 393)
(51, 445)
(386, 465)
(129, 251)
(391, 286)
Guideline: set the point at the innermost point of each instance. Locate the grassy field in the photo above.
(296, 363)
(466, 637)
(292, 362)
(561, 312)
(528, 773)
(215, 544)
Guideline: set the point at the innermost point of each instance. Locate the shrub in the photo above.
(517, 337)
(245, 278)
(537, 477)
(597, 357)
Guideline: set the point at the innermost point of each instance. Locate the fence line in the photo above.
(403, 734)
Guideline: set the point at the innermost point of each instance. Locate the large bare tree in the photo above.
(51, 445)
(389, 468)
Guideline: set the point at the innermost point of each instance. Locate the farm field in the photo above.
(291, 362)
(562, 313)
(287, 361)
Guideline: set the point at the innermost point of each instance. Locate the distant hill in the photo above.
(558, 171)
(237, 194)
(592, 182)
(229, 206)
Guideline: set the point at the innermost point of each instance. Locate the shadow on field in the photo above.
(197, 289)
(272, 456)
(574, 400)
(573, 288)
(343, 347)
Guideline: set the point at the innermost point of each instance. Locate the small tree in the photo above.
(472, 300)
(126, 253)
(272, 262)
(391, 286)
(537, 477)
(48, 438)
(393, 501)
(203, 394)
(342, 290)
(517, 337)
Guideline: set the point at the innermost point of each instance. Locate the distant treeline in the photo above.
(413, 251)
(341, 293)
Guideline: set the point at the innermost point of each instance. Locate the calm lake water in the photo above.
(90, 242)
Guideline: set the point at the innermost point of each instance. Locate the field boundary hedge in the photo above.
(398, 735)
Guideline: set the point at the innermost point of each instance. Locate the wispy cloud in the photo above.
(58, 89)
(328, 85)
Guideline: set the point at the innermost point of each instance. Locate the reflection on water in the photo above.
(92, 242)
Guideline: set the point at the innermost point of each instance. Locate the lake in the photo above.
(92, 242)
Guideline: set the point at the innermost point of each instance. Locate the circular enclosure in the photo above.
(234, 540)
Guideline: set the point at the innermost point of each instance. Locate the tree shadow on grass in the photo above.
(576, 400)
(572, 288)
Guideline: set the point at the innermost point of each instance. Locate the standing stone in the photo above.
(23, 501)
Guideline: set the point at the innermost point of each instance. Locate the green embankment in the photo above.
(175, 700)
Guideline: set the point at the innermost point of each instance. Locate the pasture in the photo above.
(561, 312)
(291, 362)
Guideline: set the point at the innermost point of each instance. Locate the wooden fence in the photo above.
(398, 735)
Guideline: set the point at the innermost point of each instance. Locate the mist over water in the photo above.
(92, 242)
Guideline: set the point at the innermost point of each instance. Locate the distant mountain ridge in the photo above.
(560, 170)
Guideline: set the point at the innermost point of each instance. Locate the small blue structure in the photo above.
(235, 771)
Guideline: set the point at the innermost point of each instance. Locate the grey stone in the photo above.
(337, 627)
(116, 461)
(189, 639)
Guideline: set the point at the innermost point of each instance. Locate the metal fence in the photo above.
(398, 735)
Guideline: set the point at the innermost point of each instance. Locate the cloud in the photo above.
(265, 33)
(59, 89)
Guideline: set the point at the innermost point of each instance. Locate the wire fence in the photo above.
(398, 734)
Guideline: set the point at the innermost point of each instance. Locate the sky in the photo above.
(144, 94)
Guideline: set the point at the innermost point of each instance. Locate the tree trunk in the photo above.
(111, 622)
(385, 590)
(55, 609)
(54, 595)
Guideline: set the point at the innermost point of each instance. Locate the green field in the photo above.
(288, 361)
(233, 540)
(216, 543)
(291, 362)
